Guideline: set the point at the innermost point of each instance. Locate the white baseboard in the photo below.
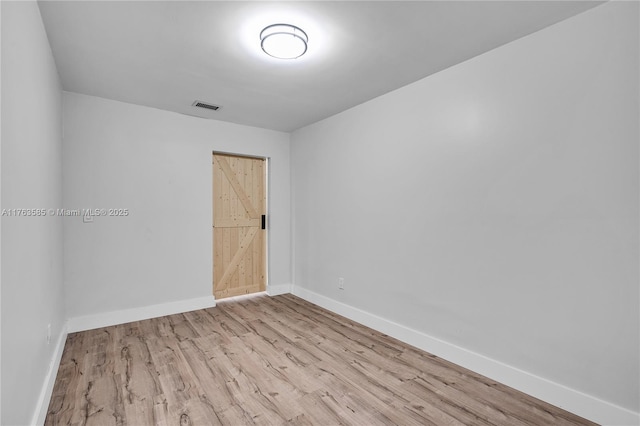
(276, 290)
(106, 319)
(559, 395)
(42, 406)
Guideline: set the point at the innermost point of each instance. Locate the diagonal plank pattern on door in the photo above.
(238, 240)
(273, 361)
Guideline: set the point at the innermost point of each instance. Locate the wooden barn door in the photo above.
(239, 206)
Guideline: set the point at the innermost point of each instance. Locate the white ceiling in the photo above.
(168, 54)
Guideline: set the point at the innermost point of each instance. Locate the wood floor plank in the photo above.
(139, 379)
(185, 401)
(273, 361)
(62, 404)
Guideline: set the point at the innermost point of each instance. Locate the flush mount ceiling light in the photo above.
(283, 41)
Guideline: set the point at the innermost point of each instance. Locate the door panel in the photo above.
(239, 201)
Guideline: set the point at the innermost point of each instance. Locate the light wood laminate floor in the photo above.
(272, 361)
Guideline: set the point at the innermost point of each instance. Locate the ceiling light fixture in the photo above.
(283, 41)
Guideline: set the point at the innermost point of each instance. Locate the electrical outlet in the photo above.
(341, 283)
(48, 334)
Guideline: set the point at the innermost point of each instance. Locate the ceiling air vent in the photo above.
(205, 105)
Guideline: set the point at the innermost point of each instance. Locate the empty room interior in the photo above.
(363, 213)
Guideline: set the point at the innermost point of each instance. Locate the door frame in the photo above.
(267, 244)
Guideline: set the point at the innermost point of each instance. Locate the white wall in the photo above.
(32, 289)
(493, 205)
(157, 164)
